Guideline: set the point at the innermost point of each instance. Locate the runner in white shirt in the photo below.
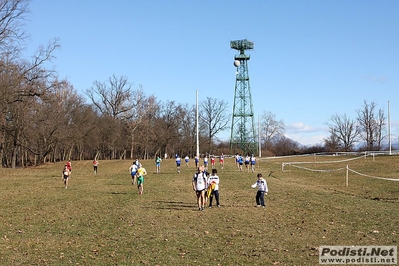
(199, 185)
(262, 190)
(133, 171)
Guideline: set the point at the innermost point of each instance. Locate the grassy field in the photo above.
(102, 220)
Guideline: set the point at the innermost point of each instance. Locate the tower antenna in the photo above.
(243, 135)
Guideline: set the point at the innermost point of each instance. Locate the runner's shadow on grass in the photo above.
(174, 205)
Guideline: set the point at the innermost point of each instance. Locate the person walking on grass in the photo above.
(213, 188)
(95, 166)
(213, 161)
(221, 160)
(199, 185)
(206, 162)
(237, 157)
(158, 161)
(247, 161)
(240, 162)
(69, 166)
(253, 162)
(262, 191)
(186, 159)
(141, 172)
(133, 172)
(65, 175)
(178, 163)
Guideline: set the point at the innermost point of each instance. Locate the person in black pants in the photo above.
(213, 187)
(262, 191)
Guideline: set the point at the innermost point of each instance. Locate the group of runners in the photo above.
(178, 160)
(205, 185)
(137, 171)
(249, 161)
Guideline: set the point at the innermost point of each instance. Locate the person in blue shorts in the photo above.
(158, 161)
(237, 157)
(206, 162)
(247, 161)
(253, 162)
(240, 162)
(178, 162)
(133, 172)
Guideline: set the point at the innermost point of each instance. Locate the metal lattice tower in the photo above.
(243, 137)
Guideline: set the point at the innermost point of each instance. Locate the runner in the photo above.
(65, 175)
(141, 172)
(133, 172)
(158, 161)
(199, 185)
(253, 162)
(186, 159)
(221, 160)
(213, 162)
(95, 165)
(178, 162)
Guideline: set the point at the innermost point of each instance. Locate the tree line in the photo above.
(44, 119)
(367, 131)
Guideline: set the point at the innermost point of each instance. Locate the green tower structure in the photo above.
(243, 137)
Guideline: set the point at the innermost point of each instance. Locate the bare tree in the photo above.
(344, 130)
(213, 117)
(381, 129)
(332, 143)
(270, 128)
(22, 84)
(285, 146)
(371, 125)
(142, 115)
(48, 122)
(117, 100)
(12, 16)
(188, 130)
(165, 127)
(114, 98)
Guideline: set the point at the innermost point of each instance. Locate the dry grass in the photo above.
(101, 220)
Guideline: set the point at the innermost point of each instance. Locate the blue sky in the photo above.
(312, 59)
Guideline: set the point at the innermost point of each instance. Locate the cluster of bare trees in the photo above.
(26, 88)
(366, 132)
(149, 127)
(368, 128)
(120, 122)
(44, 119)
